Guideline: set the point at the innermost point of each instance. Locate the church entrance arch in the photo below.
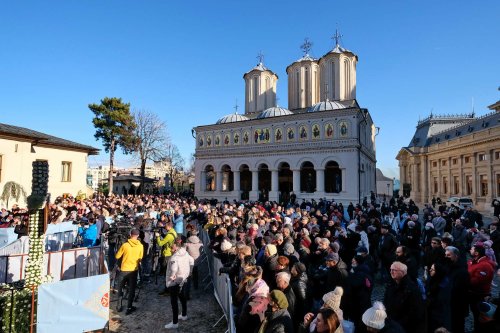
(285, 182)
(227, 178)
(209, 178)
(264, 182)
(333, 177)
(245, 182)
(307, 178)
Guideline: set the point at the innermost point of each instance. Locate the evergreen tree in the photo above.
(115, 127)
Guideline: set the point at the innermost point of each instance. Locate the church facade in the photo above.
(323, 146)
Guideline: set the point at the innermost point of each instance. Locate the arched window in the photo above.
(307, 178)
(332, 93)
(307, 87)
(347, 86)
(333, 178)
(255, 91)
(297, 79)
(209, 178)
(227, 178)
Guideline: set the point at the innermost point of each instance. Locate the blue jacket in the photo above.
(179, 224)
(89, 235)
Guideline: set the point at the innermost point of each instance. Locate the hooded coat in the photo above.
(179, 267)
(132, 252)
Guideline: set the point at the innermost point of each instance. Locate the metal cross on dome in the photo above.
(236, 107)
(337, 37)
(260, 56)
(306, 46)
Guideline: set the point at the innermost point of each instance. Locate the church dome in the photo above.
(326, 106)
(231, 118)
(274, 111)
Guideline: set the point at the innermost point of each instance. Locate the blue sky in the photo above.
(184, 60)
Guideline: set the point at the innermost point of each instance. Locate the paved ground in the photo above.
(154, 311)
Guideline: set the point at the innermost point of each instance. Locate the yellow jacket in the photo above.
(167, 242)
(132, 252)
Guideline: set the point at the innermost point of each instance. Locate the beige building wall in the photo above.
(16, 165)
(468, 165)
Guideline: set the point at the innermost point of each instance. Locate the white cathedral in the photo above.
(322, 146)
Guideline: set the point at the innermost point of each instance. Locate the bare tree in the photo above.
(174, 163)
(152, 139)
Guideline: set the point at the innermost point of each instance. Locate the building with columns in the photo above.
(323, 146)
(453, 156)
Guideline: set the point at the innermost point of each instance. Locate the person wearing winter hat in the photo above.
(277, 319)
(270, 265)
(375, 319)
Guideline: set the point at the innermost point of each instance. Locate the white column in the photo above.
(218, 181)
(320, 181)
(203, 185)
(236, 180)
(274, 193)
(254, 193)
(296, 182)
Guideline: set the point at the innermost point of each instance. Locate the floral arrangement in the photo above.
(15, 302)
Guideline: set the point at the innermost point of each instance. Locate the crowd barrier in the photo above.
(221, 284)
(21, 245)
(61, 265)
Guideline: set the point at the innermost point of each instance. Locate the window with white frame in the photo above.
(66, 171)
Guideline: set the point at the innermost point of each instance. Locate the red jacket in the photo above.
(481, 274)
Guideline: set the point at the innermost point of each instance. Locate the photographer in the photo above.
(131, 254)
(167, 243)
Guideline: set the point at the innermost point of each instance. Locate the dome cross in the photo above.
(337, 37)
(306, 46)
(260, 57)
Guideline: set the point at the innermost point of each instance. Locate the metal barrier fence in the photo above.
(221, 283)
(61, 265)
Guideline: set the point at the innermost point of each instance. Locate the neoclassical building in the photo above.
(323, 146)
(453, 156)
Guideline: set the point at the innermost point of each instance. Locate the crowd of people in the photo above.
(310, 266)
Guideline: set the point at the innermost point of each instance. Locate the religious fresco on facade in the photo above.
(315, 131)
(262, 135)
(278, 135)
(209, 141)
(290, 134)
(302, 133)
(246, 137)
(226, 140)
(343, 128)
(217, 140)
(236, 138)
(201, 141)
(328, 130)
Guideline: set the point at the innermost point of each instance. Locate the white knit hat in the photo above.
(332, 299)
(375, 316)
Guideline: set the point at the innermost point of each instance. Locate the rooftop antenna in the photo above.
(306, 46)
(236, 107)
(260, 57)
(337, 37)
(472, 105)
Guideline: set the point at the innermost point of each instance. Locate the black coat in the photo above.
(269, 271)
(459, 280)
(361, 286)
(300, 286)
(405, 305)
(438, 303)
(387, 248)
(290, 297)
(392, 326)
(279, 322)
